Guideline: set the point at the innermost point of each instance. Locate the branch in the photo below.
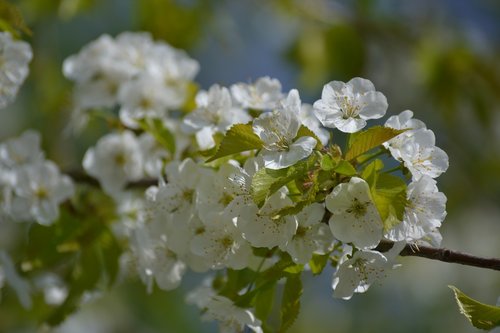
(410, 250)
(442, 255)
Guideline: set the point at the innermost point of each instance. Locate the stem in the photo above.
(442, 254)
(374, 155)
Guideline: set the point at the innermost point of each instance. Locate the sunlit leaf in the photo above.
(361, 142)
(290, 304)
(482, 316)
(239, 138)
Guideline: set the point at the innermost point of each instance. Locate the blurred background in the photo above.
(440, 59)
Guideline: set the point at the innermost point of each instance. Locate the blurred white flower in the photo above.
(354, 215)
(278, 129)
(347, 106)
(214, 114)
(231, 318)
(264, 93)
(22, 150)
(43, 188)
(15, 56)
(115, 160)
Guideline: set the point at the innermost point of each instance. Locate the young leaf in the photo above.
(238, 138)
(363, 141)
(264, 301)
(290, 304)
(389, 196)
(345, 168)
(327, 163)
(318, 263)
(265, 182)
(482, 316)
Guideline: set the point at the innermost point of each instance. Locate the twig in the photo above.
(442, 254)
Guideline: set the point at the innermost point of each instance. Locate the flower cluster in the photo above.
(250, 185)
(15, 56)
(274, 183)
(31, 186)
(142, 77)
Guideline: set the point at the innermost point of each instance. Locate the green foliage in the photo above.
(11, 19)
(305, 131)
(363, 141)
(388, 193)
(482, 316)
(318, 263)
(162, 134)
(80, 247)
(265, 182)
(179, 24)
(238, 138)
(290, 303)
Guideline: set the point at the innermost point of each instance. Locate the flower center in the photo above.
(348, 108)
(358, 209)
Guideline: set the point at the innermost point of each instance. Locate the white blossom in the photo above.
(231, 318)
(265, 93)
(308, 118)
(354, 215)
(347, 106)
(262, 228)
(145, 97)
(422, 157)
(222, 244)
(278, 130)
(311, 236)
(15, 56)
(155, 261)
(214, 114)
(43, 188)
(114, 161)
(406, 121)
(424, 212)
(356, 274)
(21, 151)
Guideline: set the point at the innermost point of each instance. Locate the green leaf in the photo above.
(12, 20)
(327, 163)
(265, 182)
(294, 269)
(345, 168)
(264, 301)
(290, 304)
(388, 193)
(389, 196)
(238, 138)
(157, 129)
(318, 263)
(371, 172)
(305, 131)
(361, 142)
(482, 316)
